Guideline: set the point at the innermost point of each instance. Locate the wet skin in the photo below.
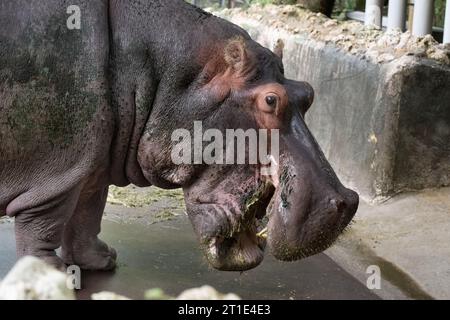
(84, 109)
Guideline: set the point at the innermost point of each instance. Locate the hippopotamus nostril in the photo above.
(338, 204)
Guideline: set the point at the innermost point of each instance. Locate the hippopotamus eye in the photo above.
(271, 101)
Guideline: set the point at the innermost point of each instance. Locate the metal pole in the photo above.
(423, 17)
(397, 15)
(373, 14)
(447, 23)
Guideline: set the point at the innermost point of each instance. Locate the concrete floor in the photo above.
(408, 237)
(166, 255)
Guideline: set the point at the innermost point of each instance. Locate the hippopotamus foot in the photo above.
(95, 255)
(47, 255)
(39, 229)
(81, 245)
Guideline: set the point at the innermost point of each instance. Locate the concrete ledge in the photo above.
(382, 116)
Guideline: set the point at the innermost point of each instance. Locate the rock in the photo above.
(439, 55)
(389, 39)
(106, 295)
(428, 41)
(206, 293)
(418, 52)
(330, 23)
(33, 279)
(405, 38)
(385, 57)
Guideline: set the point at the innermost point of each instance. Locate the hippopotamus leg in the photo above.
(39, 230)
(81, 245)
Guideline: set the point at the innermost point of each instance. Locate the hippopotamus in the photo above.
(89, 106)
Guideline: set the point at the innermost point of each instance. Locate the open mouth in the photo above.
(243, 247)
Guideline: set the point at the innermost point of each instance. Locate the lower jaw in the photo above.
(237, 263)
(234, 257)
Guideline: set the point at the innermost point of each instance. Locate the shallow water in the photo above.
(166, 255)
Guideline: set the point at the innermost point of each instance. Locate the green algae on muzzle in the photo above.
(255, 207)
(255, 201)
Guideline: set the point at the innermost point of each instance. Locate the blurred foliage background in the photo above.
(440, 12)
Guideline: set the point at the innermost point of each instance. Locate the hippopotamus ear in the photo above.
(220, 77)
(278, 49)
(235, 54)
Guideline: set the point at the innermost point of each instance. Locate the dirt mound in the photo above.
(352, 36)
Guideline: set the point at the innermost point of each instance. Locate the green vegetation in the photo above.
(146, 205)
(133, 197)
(440, 12)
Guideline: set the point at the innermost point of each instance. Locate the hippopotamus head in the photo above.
(298, 207)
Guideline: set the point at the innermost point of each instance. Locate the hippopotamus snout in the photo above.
(296, 231)
(310, 206)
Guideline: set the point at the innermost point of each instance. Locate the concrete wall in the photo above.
(385, 127)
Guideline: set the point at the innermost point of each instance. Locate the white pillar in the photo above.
(373, 14)
(423, 17)
(397, 15)
(447, 23)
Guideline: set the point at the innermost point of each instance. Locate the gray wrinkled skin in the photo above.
(56, 127)
(83, 109)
